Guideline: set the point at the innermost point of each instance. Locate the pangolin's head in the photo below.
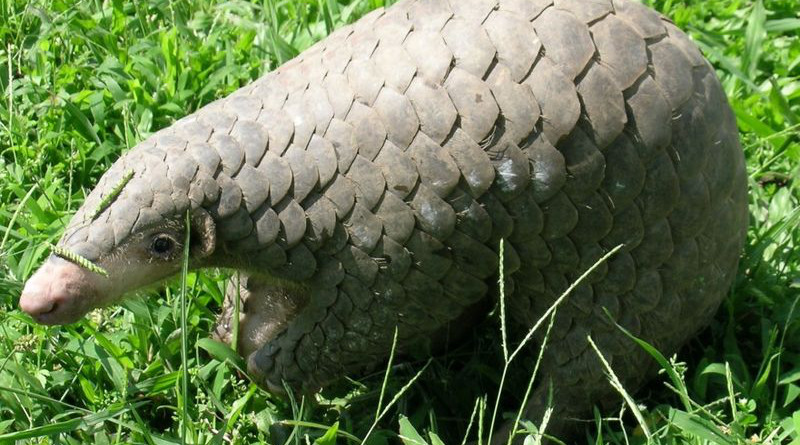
(129, 233)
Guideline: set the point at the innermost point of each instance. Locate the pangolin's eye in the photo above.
(162, 245)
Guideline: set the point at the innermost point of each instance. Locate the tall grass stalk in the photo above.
(386, 375)
(545, 316)
(617, 385)
(479, 403)
(399, 394)
(10, 87)
(529, 388)
(501, 282)
(236, 312)
(184, 408)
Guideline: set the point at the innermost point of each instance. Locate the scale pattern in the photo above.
(381, 167)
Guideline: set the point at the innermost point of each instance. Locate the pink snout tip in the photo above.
(35, 299)
(52, 294)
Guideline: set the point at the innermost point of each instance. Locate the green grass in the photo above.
(83, 81)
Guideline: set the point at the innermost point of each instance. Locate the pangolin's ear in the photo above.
(204, 234)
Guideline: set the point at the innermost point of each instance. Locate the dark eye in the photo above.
(162, 245)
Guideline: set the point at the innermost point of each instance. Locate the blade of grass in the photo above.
(319, 426)
(698, 427)
(662, 361)
(236, 312)
(538, 324)
(386, 375)
(615, 382)
(238, 406)
(396, 397)
(529, 388)
(471, 420)
(754, 38)
(501, 283)
(184, 333)
(781, 343)
(14, 218)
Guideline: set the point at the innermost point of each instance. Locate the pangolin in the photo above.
(366, 185)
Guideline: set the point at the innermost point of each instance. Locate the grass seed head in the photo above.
(108, 199)
(77, 259)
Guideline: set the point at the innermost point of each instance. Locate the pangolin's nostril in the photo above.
(53, 307)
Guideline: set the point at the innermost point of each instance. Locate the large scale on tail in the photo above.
(366, 185)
